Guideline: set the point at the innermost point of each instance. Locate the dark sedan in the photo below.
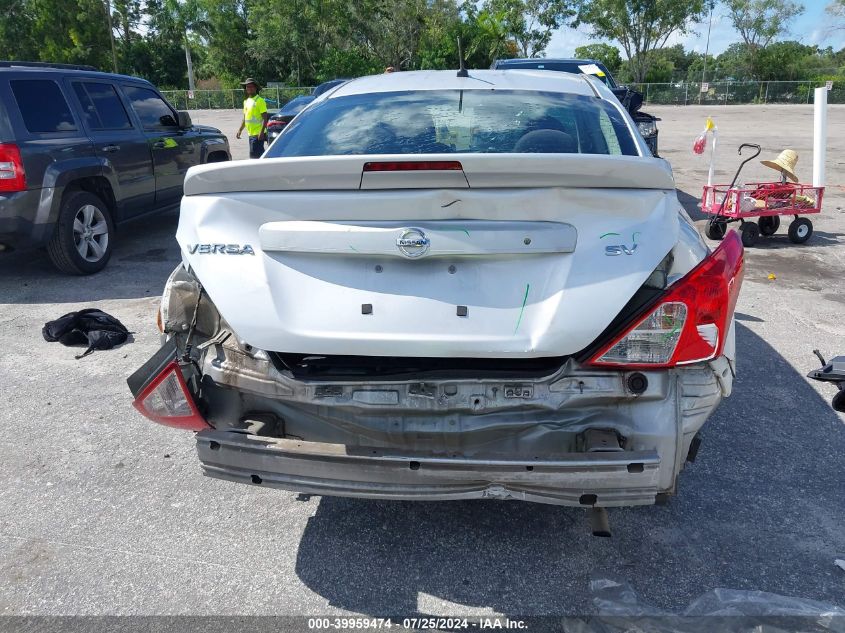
(293, 107)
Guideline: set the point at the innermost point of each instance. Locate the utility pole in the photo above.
(111, 36)
(190, 63)
(706, 48)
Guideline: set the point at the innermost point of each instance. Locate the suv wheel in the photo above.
(82, 241)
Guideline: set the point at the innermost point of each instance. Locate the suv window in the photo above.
(153, 111)
(101, 105)
(42, 105)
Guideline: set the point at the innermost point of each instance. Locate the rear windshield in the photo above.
(467, 121)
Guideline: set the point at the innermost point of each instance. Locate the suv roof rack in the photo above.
(8, 64)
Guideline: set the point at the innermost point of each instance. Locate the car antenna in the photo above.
(462, 71)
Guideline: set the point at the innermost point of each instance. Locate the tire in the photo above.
(800, 230)
(84, 236)
(839, 401)
(769, 224)
(716, 228)
(750, 233)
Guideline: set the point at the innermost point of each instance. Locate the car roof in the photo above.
(12, 67)
(539, 80)
(541, 60)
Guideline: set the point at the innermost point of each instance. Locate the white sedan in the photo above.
(443, 287)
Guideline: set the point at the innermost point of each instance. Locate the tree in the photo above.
(759, 22)
(605, 53)
(227, 40)
(17, 37)
(490, 38)
(640, 26)
(530, 23)
(836, 10)
(126, 18)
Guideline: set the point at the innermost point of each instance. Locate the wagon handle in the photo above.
(739, 169)
(750, 158)
(754, 145)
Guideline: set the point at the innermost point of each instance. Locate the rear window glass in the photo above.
(102, 107)
(42, 105)
(466, 121)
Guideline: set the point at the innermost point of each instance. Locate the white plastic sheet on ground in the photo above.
(619, 608)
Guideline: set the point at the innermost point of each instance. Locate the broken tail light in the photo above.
(12, 177)
(690, 322)
(167, 400)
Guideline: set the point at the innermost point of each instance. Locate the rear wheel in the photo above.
(716, 228)
(769, 224)
(839, 401)
(82, 241)
(800, 230)
(750, 233)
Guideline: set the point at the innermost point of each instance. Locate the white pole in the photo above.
(712, 169)
(819, 136)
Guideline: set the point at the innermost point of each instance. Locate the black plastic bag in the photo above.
(90, 327)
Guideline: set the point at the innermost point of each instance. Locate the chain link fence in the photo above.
(230, 99)
(737, 92)
(688, 93)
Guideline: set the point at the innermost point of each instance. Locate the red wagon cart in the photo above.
(758, 206)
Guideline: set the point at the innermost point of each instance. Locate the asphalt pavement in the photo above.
(103, 512)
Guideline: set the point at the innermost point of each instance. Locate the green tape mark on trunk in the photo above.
(522, 310)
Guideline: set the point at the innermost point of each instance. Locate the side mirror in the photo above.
(184, 120)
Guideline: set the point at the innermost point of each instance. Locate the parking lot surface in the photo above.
(103, 512)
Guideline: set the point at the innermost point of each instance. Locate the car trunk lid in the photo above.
(514, 264)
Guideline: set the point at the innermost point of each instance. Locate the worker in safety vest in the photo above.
(255, 118)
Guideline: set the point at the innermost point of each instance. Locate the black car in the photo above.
(631, 99)
(293, 107)
(82, 152)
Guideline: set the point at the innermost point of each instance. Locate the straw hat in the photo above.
(784, 163)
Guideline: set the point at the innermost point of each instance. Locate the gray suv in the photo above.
(82, 152)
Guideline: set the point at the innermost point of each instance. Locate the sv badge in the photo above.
(619, 249)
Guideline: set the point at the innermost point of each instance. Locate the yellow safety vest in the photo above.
(254, 108)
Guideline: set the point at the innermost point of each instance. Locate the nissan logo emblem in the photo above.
(413, 243)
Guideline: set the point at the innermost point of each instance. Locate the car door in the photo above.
(120, 142)
(174, 150)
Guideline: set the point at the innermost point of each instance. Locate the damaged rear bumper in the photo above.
(603, 479)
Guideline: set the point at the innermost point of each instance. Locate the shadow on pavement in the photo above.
(691, 205)
(145, 254)
(761, 509)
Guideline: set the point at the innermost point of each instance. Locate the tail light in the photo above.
(168, 401)
(414, 165)
(690, 322)
(12, 177)
(276, 123)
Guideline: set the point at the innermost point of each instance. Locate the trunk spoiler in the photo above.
(479, 171)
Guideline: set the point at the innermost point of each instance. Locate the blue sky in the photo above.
(812, 27)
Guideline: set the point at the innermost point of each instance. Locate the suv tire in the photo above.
(84, 235)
